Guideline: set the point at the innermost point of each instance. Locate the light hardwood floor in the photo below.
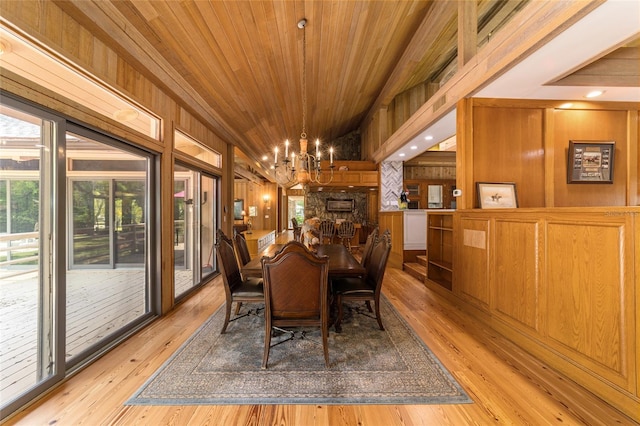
(507, 385)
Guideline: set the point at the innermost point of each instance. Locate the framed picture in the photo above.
(339, 205)
(497, 195)
(590, 162)
(238, 207)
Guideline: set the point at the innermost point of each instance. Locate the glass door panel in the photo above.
(295, 208)
(208, 228)
(107, 286)
(129, 211)
(184, 229)
(27, 356)
(91, 226)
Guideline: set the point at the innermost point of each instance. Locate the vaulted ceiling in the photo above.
(239, 64)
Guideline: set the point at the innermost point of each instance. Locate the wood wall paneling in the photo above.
(607, 125)
(516, 280)
(564, 285)
(508, 147)
(471, 275)
(393, 221)
(589, 296)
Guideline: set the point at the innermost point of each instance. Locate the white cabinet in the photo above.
(415, 229)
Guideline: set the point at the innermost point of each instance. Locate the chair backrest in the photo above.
(378, 262)
(372, 239)
(227, 261)
(297, 229)
(295, 285)
(347, 229)
(327, 230)
(241, 247)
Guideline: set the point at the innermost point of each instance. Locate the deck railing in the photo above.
(23, 242)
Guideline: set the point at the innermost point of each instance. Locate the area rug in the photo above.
(367, 366)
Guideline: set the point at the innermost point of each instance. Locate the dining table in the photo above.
(341, 262)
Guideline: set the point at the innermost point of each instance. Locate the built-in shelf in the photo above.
(440, 248)
(258, 240)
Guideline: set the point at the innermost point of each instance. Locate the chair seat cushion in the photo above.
(255, 281)
(353, 285)
(249, 288)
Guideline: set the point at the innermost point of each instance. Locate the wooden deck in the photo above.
(506, 384)
(99, 302)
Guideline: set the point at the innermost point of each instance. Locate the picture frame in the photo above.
(340, 205)
(497, 195)
(238, 207)
(590, 161)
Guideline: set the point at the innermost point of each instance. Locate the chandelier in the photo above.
(303, 167)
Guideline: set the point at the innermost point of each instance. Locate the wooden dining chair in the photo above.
(295, 291)
(372, 238)
(236, 288)
(244, 257)
(297, 229)
(327, 231)
(346, 231)
(242, 249)
(366, 288)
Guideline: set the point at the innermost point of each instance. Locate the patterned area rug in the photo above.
(368, 366)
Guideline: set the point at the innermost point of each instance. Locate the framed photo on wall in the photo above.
(590, 161)
(497, 195)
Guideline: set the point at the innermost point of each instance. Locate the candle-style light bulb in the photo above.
(317, 147)
(275, 156)
(286, 148)
(331, 155)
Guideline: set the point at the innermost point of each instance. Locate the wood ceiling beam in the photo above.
(435, 21)
(467, 31)
(534, 26)
(246, 174)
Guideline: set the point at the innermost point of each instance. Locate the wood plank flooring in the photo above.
(507, 385)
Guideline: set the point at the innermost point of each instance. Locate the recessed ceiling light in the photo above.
(401, 154)
(594, 94)
(428, 137)
(414, 147)
(566, 105)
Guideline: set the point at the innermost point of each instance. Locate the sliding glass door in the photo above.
(75, 262)
(195, 209)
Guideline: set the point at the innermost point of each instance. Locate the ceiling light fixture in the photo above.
(429, 137)
(309, 166)
(594, 94)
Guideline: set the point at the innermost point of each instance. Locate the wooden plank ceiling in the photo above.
(239, 64)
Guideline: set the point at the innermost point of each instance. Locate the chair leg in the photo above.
(368, 303)
(339, 319)
(227, 315)
(238, 306)
(267, 343)
(377, 302)
(325, 345)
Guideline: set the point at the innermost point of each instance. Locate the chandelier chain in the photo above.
(303, 135)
